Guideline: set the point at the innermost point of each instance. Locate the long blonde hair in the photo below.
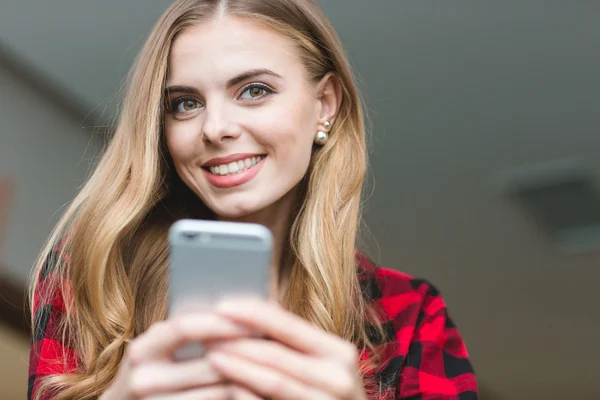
(114, 233)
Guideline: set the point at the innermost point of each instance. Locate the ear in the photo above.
(329, 98)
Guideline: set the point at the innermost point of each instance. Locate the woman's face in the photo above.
(243, 115)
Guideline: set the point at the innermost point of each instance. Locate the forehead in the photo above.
(225, 46)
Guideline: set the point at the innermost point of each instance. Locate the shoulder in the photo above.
(400, 295)
(406, 305)
(425, 354)
(51, 348)
(51, 282)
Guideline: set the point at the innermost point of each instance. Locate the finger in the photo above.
(263, 380)
(165, 377)
(284, 326)
(211, 393)
(164, 337)
(331, 377)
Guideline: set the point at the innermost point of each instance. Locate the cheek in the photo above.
(286, 131)
(296, 141)
(181, 141)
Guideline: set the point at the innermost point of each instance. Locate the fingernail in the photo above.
(218, 358)
(228, 306)
(234, 305)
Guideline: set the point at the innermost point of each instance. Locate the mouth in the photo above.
(235, 167)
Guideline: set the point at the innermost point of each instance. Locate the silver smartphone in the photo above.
(210, 260)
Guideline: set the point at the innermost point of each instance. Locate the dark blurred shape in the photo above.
(13, 307)
(6, 193)
(563, 201)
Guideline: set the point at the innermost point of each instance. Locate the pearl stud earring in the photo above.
(321, 138)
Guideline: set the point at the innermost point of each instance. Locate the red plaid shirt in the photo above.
(426, 356)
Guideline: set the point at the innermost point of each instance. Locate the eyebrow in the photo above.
(232, 82)
(251, 74)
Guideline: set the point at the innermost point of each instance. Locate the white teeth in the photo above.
(236, 166)
(232, 167)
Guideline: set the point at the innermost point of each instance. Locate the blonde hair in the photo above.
(115, 231)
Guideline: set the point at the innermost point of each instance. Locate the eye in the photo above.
(255, 91)
(184, 105)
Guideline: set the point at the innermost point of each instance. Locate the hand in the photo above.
(302, 362)
(149, 372)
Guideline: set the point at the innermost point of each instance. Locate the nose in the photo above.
(218, 125)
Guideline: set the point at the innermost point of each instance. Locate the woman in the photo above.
(242, 110)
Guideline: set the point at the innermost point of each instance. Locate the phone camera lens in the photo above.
(190, 235)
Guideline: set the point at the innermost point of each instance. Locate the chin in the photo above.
(236, 211)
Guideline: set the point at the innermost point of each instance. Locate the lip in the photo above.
(229, 159)
(230, 181)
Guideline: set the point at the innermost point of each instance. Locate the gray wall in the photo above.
(48, 152)
(457, 91)
(85, 47)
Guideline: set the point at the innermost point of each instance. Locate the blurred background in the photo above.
(485, 138)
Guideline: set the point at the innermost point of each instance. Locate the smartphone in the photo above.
(210, 260)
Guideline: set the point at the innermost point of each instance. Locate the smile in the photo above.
(235, 167)
(223, 174)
